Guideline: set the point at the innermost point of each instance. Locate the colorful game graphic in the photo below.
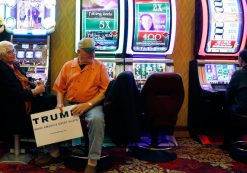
(143, 70)
(31, 55)
(100, 21)
(225, 26)
(110, 66)
(1, 16)
(219, 73)
(25, 16)
(152, 26)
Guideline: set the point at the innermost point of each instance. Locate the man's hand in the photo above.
(80, 109)
(40, 88)
(60, 106)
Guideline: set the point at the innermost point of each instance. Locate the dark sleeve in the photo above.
(27, 94)
(231, 89)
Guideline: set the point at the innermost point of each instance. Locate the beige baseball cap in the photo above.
(87, 44)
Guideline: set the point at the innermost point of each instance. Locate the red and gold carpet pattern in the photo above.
(192, 157)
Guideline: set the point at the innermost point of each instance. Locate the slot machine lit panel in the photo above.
(151, 36)
(111, 68)
(103, 23)
(215, 73)
(224, 27)
(2, 9)
(141, 71)
(219, 73)
(1, 16)
(30, 22)
(153, 29)
(25, 17)
(224, 34)
(33, 59)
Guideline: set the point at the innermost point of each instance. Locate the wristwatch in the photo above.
(90, 104)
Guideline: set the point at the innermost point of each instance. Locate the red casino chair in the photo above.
(162, 97)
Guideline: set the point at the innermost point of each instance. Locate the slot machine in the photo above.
(30, 23)
(151, 36)
(104, 21)
(1, 16)
(221, 32)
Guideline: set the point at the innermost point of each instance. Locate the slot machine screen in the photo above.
(101, 22)
(38, 54)
(20, 54)
(219, 73)
(143, 70)
(30, 16)
(152, 26)
(29, 54)
(1, 15)
(224, 27)
(25, 46)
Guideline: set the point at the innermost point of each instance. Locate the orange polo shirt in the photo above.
(81, 85)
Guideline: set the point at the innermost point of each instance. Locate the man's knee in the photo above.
(97, 120)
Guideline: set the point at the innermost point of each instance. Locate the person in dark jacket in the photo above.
(236, 100)
(122, 109)
(236, 94)
(19, 97)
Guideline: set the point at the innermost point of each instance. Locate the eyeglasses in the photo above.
(11, 51)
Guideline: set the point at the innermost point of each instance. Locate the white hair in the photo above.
(3, 47)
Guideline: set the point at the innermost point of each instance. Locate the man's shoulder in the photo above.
(239, 74)
(70, 62)
(240, 71)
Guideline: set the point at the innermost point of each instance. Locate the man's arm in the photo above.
(60, 98)
(230, 91)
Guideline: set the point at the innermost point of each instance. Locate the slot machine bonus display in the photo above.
(152, 26)
(101, 20)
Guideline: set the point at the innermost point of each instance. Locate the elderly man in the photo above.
(83, 81)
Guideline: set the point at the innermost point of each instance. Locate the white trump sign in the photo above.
(55, 126)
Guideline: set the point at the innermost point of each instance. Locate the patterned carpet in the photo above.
(192, 157)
